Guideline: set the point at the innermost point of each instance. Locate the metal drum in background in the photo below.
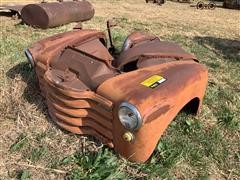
(47, 15)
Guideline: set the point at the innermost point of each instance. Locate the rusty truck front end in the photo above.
(127, 102)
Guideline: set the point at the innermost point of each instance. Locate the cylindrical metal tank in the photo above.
(47, 15)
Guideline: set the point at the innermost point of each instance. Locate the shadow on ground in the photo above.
(32, 92)
(229, 49)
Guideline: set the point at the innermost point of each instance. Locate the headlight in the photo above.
(126, 45)
(129, 116)
(29, 57)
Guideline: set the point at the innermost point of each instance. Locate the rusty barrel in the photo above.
(47, 15)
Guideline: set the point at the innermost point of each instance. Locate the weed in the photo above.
(38, 153)
(21, 142)
(25, 175)
(228, 118)
(99, 165)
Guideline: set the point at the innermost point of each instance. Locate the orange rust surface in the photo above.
(67, 64)
(47, 49)
(186, 80)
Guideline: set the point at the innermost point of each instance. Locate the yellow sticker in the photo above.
(153, 81)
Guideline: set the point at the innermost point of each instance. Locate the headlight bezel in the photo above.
(134, 111)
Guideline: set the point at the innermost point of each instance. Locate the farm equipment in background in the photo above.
(159, 2)
(12, 10)
(204, 5)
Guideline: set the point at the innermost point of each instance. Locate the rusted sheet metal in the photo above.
(93, 117)
(47, 15)
(117, 100)
(137, 38)
(157, 106)
(153, 49)
(42, 54)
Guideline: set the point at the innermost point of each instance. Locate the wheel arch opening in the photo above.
(192, 106)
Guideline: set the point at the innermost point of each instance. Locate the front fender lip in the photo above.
(147, 137)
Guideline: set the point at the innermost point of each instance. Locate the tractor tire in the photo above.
(211, 6)
(200, 5)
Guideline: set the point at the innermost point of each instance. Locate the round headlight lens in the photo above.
(129, 116)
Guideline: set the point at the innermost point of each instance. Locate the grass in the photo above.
(206, 146)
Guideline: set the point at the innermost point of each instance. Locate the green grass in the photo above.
(206, 146)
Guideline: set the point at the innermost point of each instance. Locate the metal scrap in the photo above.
(47, 15)
(52, 14)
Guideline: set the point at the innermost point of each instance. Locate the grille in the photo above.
(80, 112)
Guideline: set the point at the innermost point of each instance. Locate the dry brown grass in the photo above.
(23, 114)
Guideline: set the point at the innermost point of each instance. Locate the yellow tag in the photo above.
(153, 81)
